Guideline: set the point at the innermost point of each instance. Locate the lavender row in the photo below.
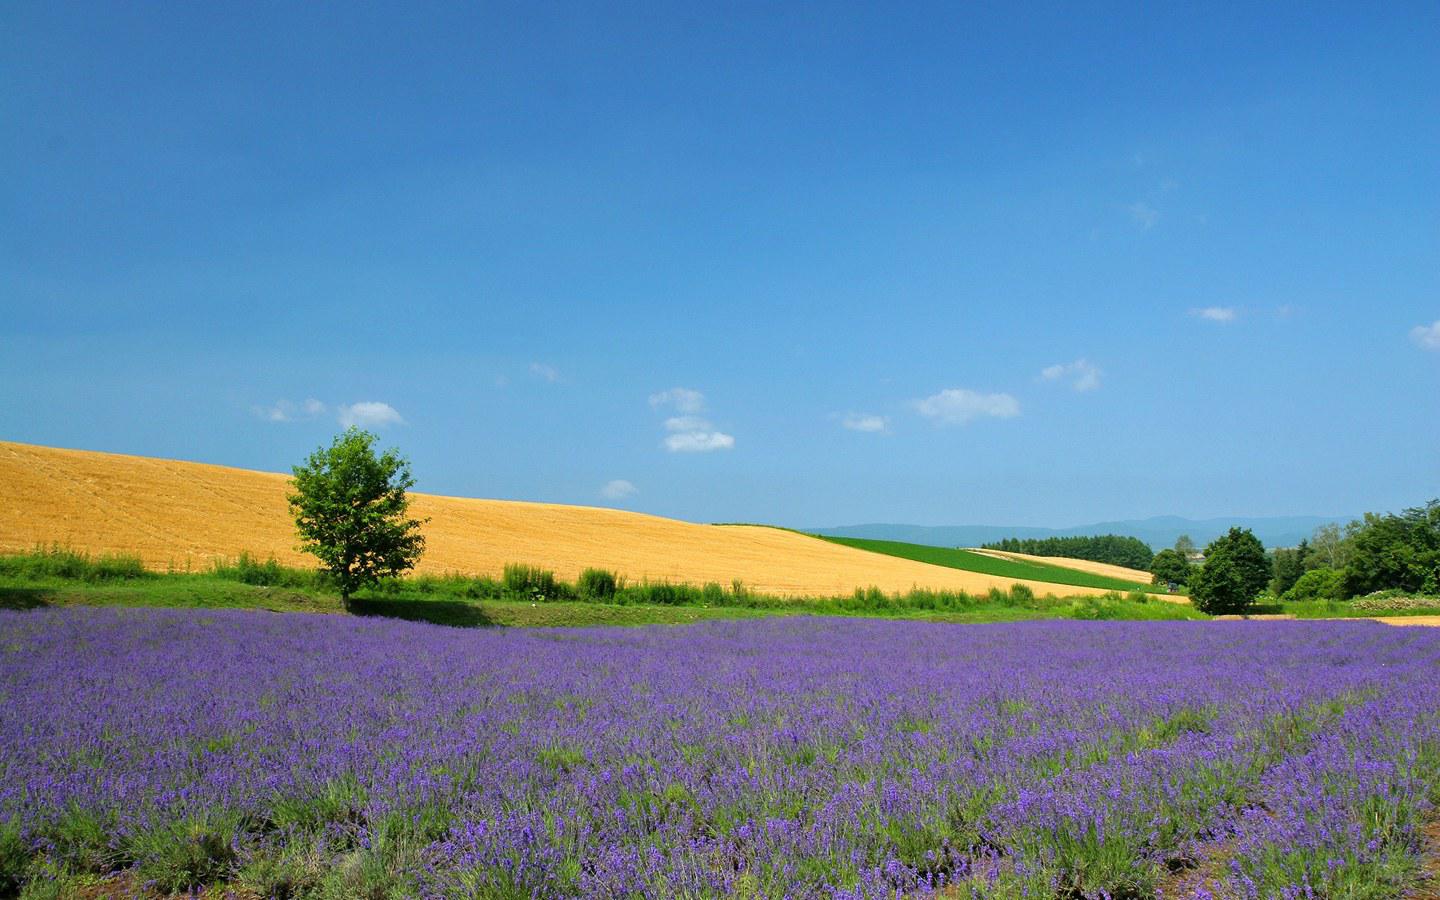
(777, 758)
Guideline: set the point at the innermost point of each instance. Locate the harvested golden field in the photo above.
(185, 514)
(1079, 565)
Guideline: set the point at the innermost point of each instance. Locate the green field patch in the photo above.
(970, 561)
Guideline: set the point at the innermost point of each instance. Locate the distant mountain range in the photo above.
(1158, 532)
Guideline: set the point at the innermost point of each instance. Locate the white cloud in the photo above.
(1083, 374)
(618, 489)
(286, 411)
(368, 414)
(1221, 314)
(548, 373)
(1144, 214)
(865, 422)
(692, 434)
(957, 406)
(689, 433)
(683, 399)
(1427, 336)
(698, 441)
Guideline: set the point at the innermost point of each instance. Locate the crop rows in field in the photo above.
(796, 757)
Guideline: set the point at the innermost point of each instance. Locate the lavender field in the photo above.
(292, 755)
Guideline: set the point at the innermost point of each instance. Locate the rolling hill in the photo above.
(183, 515)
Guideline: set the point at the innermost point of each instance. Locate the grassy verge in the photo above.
(524, 597)
(990, 565)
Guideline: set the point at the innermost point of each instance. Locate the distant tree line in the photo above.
(1397, 552)
(1106, 548)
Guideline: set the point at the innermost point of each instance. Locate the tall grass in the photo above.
(59, 563)
(248, 569)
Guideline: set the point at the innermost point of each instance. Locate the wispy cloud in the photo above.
(368, 414)
(545, 372)
(287, 411)
(682, 399)
(689, 432)
(1222, 314)
(865, 422)
(1143, 214)
(618, 489)
(958, 406)
(1082, 374)
(1427, 337)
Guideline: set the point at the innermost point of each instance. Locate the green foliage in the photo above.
(188, 852)
(57, 562)
(1330, 546)
(1116, 549)
(1169, 566)
(1289, 565)
(597, 584)
(1316, 584)
(14, 858)
(1236, 570)
(247, 569)
(1399, 552)
(1185, 546)
(350, 510)
(532, 582)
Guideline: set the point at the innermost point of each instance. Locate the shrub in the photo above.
(248, 569)
(597, 584)
(530, 581)
(1317, 584)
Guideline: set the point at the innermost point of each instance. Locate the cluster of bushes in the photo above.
(1115, 549)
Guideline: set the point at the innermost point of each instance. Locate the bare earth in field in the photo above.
(1079, 565)
(185, 514)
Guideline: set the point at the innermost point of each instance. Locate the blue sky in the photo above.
(1021, 264)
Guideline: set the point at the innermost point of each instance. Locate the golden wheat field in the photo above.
(1081, 565)
(187, 515)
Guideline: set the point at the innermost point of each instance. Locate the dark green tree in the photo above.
(1396, 552)
(1289, 564)
(1169, 566)
(350, 510)
(1236, 570)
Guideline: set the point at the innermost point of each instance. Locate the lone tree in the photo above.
(1236, 570)
(349, 507)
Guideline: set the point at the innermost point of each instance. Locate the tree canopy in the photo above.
(1395, 552)
(1169, 566)
(350, 510)
(1236, 570)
